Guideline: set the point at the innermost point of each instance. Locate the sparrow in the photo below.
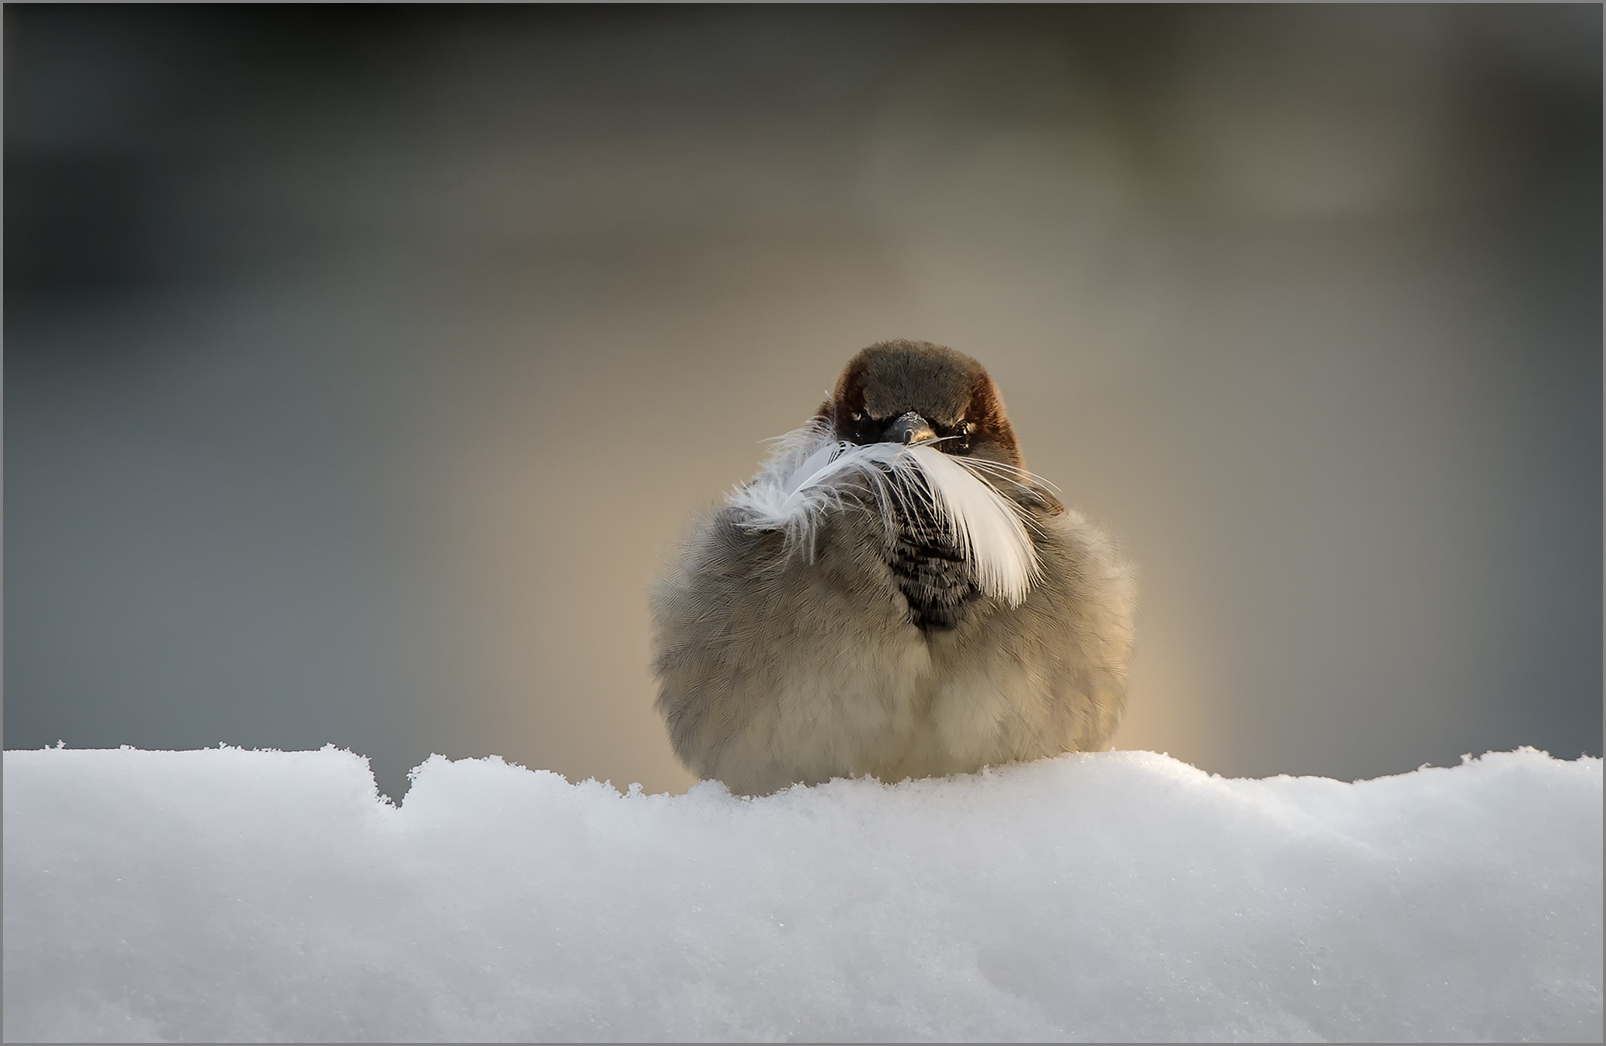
(893, 595)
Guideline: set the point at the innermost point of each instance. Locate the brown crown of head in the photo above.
(951, 392)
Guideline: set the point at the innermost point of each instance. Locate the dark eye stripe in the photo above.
(956, 438)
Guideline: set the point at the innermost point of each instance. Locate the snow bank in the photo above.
(227, 894)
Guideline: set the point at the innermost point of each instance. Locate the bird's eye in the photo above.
(960, 444)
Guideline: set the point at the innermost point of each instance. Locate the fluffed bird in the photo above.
(893, 595)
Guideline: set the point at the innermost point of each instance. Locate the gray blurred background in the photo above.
(363, 365)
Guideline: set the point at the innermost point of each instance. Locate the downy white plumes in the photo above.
(804, 479)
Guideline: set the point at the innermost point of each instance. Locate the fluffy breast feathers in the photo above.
(787, 647)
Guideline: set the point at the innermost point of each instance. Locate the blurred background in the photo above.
(363, 365)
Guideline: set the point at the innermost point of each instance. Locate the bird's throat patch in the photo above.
(929, 570)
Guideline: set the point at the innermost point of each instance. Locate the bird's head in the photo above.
(915, 392)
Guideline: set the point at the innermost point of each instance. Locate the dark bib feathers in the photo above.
(929, 571)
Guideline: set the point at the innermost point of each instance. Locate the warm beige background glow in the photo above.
(362, 368)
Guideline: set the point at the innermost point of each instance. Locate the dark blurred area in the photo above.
(363, 364)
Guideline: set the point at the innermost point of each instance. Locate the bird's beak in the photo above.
(910, 429)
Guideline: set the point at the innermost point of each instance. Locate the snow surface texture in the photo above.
(228, 894)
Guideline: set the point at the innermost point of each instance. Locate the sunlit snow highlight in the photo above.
(229, 894)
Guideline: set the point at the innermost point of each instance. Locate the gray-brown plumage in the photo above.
(871, 642)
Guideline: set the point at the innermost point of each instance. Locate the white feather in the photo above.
(803, 480)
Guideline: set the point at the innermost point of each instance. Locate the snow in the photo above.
(229, 894)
